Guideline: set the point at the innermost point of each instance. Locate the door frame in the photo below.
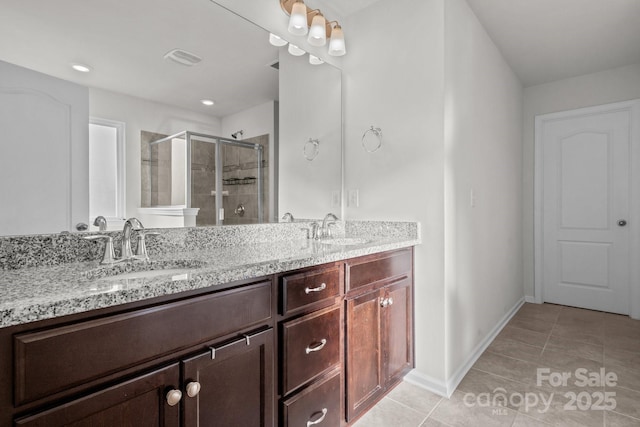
(633, 107)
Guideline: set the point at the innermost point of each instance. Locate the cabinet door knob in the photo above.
(173, 397)
(390, 301)
(384, 302)
(193, 388)
(318, 347)
(319, 420)
(322, 287)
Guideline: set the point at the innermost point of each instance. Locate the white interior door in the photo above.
(44, 161)
(586, 210)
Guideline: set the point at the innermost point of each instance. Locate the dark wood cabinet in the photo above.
(140, 402)
(365, 382)
(205, 360)
(379, 328)
(231, 384)
(311, 347)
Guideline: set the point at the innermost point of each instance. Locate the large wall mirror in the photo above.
(151, 64)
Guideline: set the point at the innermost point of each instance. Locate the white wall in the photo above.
(619, 84)
(256, 121)
(393, 79)
(483, 156)
(450, 111)
(138, 115)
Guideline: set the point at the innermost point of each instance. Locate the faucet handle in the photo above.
(315, 230)
(101, 223)
(109, 256)
(141, 248)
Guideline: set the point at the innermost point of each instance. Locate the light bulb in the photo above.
(336, 44)
(318, 31)
(298, 19)
(276, 40)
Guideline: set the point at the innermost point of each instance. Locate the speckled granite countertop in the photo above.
(36, 293)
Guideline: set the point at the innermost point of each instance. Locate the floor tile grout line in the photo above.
(625, 415)
(434, 409)
(409, 407)
(500, 376)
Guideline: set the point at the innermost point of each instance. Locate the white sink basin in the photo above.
(344, 241)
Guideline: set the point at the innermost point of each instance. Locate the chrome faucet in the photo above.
(129, 225)
(287, 217)
(325, 230)
(101, 223)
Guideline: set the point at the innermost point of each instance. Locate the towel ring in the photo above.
(372, 139)
(311, 149)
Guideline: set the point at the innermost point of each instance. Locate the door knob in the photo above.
(622, 222)
(173, 397)
(193, 388)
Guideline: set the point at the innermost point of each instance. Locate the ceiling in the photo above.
(124, 42)
(548, 40)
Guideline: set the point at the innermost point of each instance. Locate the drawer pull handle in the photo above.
(322, 287)
(193, 388)
(246, 338)
(173, 397)
(319, 347)
(319, 420)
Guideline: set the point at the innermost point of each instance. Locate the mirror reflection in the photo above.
(139, 84)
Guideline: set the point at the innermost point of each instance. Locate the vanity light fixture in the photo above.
(298, 19)
(295, 50)
(318, 31)
(276, 40)
(80, 67)
(303, 21)
(207, 102)
(336, 44)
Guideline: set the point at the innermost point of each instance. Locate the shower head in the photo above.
(235, 134)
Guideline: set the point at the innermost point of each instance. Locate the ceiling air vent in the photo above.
(182, 57)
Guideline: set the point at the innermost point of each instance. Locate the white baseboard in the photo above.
(530, 300)
(426, 382)
(447, 388)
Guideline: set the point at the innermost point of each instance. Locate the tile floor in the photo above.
(560, 339)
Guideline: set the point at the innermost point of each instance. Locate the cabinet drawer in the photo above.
(311, 345)
(57, 359)
(303, 289)
(319, 404)
(377, 268)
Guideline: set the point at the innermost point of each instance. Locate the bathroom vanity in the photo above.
(318, 341)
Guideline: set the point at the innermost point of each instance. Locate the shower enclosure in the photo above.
(222, 177)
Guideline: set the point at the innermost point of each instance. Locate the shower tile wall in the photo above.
(156, 162)
(203, 181)
(238, 163)
(243, 163)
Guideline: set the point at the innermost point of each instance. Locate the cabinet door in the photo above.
(140, 402)
(365, 380)
(236, 384)
(397, 331)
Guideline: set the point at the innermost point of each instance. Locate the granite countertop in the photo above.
(37, 293)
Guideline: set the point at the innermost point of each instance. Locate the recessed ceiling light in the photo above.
(207, 102)
(81, 68)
